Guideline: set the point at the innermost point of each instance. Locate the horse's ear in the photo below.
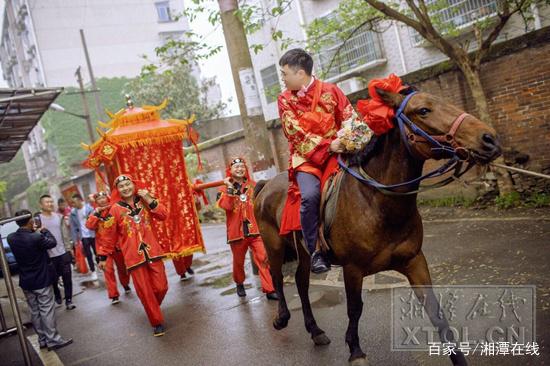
(391, 99)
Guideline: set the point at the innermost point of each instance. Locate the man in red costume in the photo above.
(132, 231)
(100, 221)
(242, 230)
(311, 113)
(183, 267)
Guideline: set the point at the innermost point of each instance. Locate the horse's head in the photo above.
(446, 124)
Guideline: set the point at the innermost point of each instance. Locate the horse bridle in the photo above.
(410, 134)
(445, 144)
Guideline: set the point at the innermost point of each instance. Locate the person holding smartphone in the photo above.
(30, 245)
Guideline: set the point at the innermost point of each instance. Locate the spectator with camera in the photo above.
(30, 245)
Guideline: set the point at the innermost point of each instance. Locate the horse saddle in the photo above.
(329, 201)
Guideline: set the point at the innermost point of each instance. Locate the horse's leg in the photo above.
(302, 283)
(418, 274)
(275, 249)
(353, 279)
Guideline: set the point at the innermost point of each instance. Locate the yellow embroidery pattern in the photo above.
(109, 222)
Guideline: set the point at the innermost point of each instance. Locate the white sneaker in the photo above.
(93, 276)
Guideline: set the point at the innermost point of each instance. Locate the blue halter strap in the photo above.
(403, 122)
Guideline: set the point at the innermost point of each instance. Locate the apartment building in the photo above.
(396, 49)
(41, 46)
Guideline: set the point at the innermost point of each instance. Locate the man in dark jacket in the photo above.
(30, 249)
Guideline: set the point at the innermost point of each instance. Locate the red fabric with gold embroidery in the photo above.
(136, 239)
(162, 166)
(140, 143)
(309, 144)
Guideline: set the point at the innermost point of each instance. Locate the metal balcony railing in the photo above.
(458, 13)
(362, 48)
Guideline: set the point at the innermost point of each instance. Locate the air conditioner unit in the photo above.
(351, 85)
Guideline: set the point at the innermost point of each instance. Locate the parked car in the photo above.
(5, 231)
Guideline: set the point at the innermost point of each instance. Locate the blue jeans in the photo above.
(310, 192)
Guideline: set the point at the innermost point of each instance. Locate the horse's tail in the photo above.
(259, 186)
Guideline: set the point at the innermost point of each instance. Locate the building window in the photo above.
(270, 81)
(457, 14)
(163, 11)
(337, 58)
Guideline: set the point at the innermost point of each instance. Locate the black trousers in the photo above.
(88, 245)
(62, 266)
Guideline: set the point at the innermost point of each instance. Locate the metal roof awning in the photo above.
(20, 111)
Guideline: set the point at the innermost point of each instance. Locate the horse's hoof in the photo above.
(279, 323)
(359, 362)
(321, 339)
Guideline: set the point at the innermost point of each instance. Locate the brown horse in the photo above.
(372, 231)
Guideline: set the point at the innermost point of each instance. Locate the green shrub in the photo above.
(508, 200)
(538, 200)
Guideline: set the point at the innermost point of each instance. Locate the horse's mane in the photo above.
(361, 157)
(364, 155)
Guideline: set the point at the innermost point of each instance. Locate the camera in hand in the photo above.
(37, 221)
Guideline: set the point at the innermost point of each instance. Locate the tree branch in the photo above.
(394, 14)
(424, 10)
(416, 11)
(478, 35)
(426, 30)
(422, 5)
(503, 19)
(426, 21)
(345, 41)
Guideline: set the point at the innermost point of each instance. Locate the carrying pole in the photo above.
(12, 296)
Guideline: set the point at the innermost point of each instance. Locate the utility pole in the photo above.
(256, 134)
(78, 75)
(98, 105)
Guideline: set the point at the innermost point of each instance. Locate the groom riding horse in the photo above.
(376, 225)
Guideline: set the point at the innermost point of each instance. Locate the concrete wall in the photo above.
(217, 127)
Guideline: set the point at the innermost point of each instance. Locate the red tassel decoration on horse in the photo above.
(376, 114)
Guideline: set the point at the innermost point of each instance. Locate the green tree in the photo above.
(427, 17)
(34, 192)
(15, 176)
(430, 19)
(185, 95)
(66, 132)
(3, 189)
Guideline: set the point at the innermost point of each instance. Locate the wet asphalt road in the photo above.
(207, 324)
